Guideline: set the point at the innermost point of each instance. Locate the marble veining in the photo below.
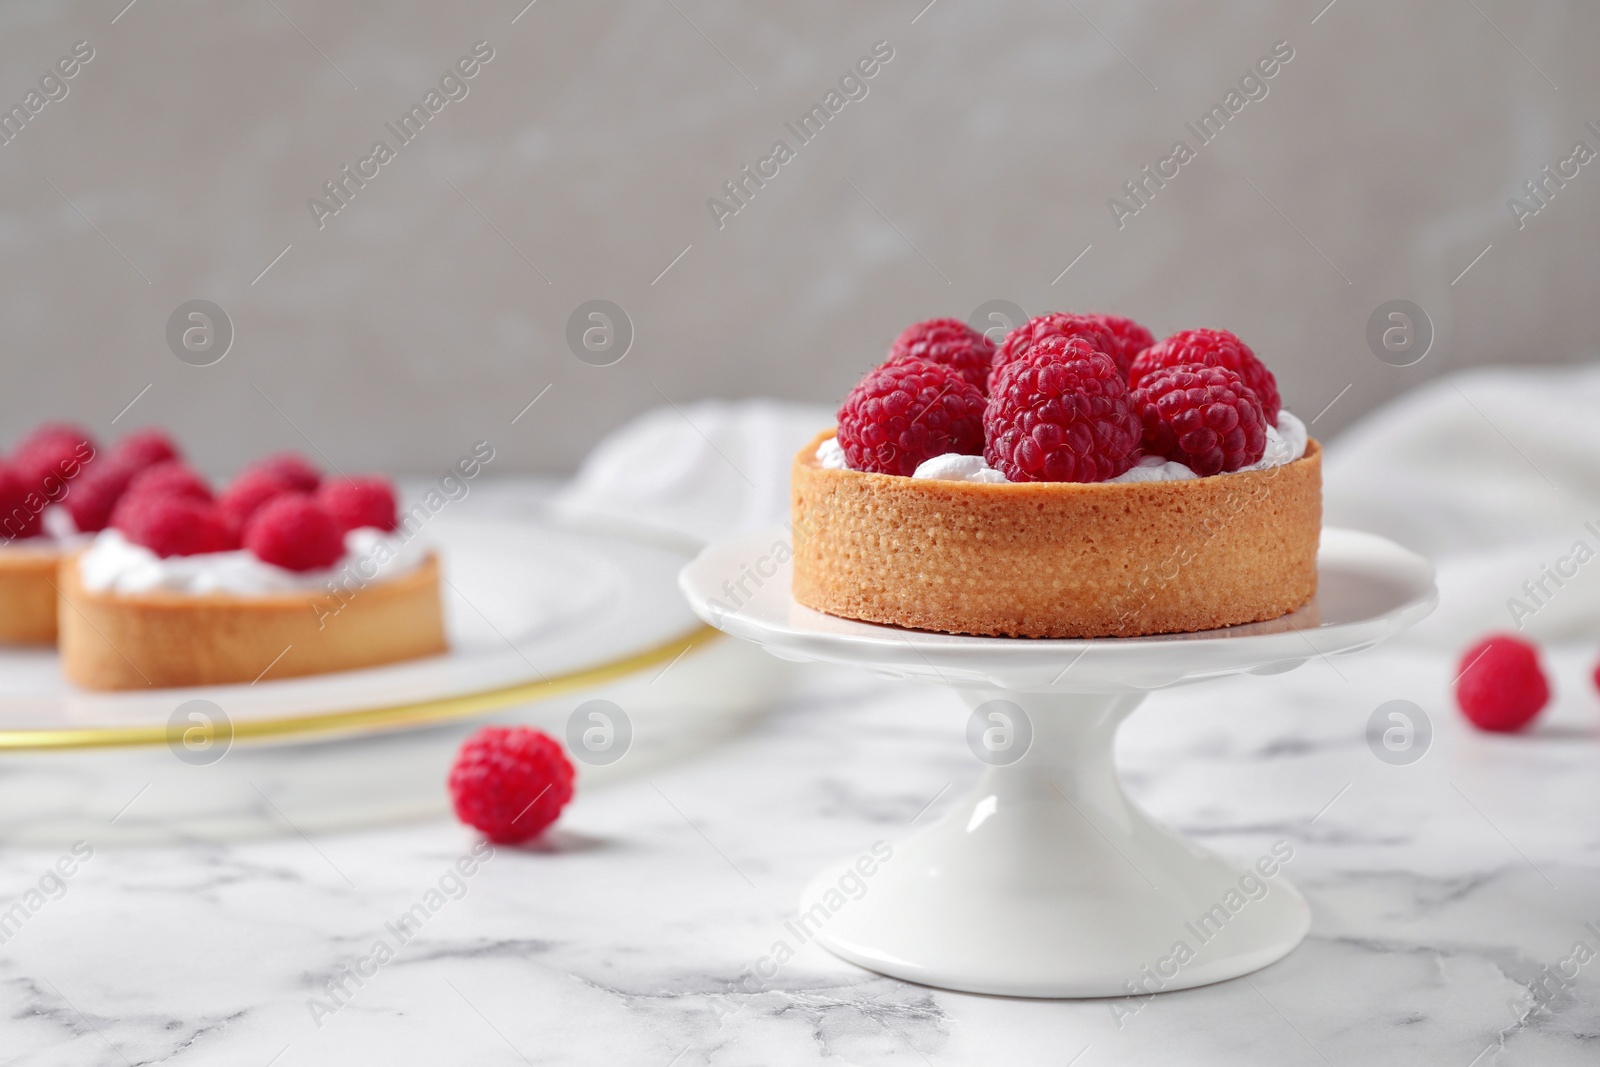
(1444, 893)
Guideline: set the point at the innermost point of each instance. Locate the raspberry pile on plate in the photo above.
(280, 508)
(38, 474)
(1063, 398)
(96, 494)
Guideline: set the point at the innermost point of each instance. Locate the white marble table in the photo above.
(1440, 892)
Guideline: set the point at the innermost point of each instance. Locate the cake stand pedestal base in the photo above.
(1046, 881)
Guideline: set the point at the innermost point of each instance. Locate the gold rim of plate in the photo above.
(385, 717)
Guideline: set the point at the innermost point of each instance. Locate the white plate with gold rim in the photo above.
(526, 606)
(541, 617)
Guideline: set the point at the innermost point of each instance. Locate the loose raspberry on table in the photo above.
(1055, 324)
(247, 493)
(1128, 339)
(292, 468)
(174, 525)
(51, 456)
(510, 782)
(18, 520)
(145, 448)
(94, 497)
(1500, 686)
(904, 413)
(1203, 417)
(296, 533)
(1061, 413)
(1214, 348)
(361, 500)
(948, 342)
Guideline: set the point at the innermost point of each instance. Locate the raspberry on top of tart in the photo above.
(1097, 483)
(283, 571)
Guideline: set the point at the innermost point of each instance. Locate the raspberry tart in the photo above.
(282, 574)
(1119, 486)
(37, 482)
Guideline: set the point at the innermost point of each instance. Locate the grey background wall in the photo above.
(433, 306)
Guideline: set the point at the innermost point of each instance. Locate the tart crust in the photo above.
(143, 640)
(28, 595)
(1056, 559)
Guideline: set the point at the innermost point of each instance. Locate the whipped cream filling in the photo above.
(830, 455)
(1156, 469)
(1286, 443)
(115, 564)
(953, 467)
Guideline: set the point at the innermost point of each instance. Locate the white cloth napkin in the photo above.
(698, 471)
(1494, 474)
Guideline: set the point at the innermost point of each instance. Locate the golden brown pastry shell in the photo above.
(28, 594)
(160, 639)
(1056, 559)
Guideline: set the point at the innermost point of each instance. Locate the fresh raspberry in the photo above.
(246, 494)
(172, 477)
(1061, 413)
(145, 448)
(1203, 417)
(1500, 686)
(1055, 324)
(292, 468)
(904, 413)
(1128, 339)
(169, 478)
(50, 434)
(296, 533)
(174, 525)
(17, 519)
(949, 342)
(1215, 348)
(93, 497)
(51, 456)
(510, 782)
(364, 500)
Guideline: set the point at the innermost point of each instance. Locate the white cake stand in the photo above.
(1045, 880)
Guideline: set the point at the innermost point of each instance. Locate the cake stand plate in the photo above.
(1046, 880)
